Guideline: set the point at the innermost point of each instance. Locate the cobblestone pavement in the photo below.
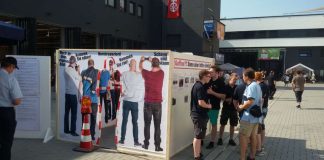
(291, 134)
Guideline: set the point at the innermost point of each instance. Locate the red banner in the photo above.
(173, 9)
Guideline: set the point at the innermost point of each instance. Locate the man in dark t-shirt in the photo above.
(215, 90)
(198, 111)
(229, 111)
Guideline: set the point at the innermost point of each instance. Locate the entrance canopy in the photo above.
(301, 67)
(10, 32)
(228, 67)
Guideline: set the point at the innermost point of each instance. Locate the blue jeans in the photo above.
(133, 108)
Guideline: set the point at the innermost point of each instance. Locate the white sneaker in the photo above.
(260, 153)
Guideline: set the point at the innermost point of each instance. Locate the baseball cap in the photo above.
(11, 60)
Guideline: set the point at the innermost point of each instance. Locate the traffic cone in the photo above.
(86, 142)
(99, 124)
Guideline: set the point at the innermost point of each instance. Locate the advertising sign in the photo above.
(269, 54)
(130, 86)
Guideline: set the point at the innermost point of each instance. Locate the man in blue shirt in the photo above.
(89, 81)
(249, 124)
(10, 96)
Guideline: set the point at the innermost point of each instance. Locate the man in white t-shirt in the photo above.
(132, 93)
(72, 95)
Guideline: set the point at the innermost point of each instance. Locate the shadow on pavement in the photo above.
(284, 149)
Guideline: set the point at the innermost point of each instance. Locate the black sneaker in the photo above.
(210, 145)
(220, 142)
(298, 106)
(67, 132)
(145, 146)
(121, 142)
(231, 142)
(74, 134)
(158, 148)
(137, 144)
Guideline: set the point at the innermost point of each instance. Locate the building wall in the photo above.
(274, 23)
(190, 26)
(90, 15)
(153, 28)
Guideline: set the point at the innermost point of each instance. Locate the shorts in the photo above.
(231, 115)
(247, 129)
(213, 116)
(200, 127)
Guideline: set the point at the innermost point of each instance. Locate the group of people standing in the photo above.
(245, 103)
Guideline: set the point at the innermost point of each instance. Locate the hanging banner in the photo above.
(173, 9)
(209, 28)
(269, 54)
(220, 30)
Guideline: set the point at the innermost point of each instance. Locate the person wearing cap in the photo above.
(10, 97)
(72, 95)
(152, 101)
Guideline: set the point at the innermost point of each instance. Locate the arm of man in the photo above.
(141, 64)
(203, 104)
(293, 84)
(236, 103)
(15, 92)
(16, 102)
(218, 95)
(246, 104)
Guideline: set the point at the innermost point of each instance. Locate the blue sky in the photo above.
(259, 8)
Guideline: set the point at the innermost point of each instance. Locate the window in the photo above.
(110, 3)
(293, 33)
(140, 11)
(131, 8)
(122, 4)
(305, 53)
(322, 53)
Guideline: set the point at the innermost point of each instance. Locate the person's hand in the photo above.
(209, 106)
(228, 100)
(240, 108)
(210, 91)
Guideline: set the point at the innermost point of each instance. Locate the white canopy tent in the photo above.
(299, 66)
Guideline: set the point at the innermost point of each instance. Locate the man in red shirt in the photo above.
(152, 101)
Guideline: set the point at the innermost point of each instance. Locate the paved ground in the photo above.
(292, 134)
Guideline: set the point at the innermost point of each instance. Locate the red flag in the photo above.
(173, 9)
